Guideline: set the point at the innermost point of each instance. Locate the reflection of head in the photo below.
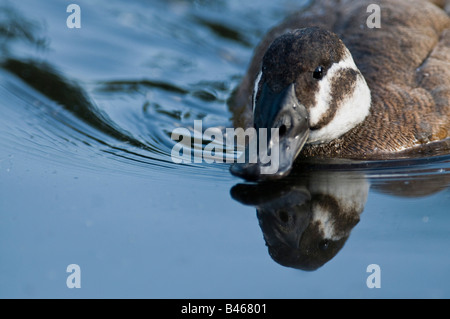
(310, 221)
(309, 235)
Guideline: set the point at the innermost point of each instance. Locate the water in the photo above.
(86, 175)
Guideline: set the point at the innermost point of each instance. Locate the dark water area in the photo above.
(87, 177)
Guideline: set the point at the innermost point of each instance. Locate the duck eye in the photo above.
(318, 73)
(324, 244)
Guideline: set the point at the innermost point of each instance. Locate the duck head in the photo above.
(310, 90)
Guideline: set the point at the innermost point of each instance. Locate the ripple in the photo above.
(159, 73)
(64, 121)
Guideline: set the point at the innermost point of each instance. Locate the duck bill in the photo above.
(282, 128)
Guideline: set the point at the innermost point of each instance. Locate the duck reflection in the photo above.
(307, 218)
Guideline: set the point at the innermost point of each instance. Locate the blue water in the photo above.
(96, 186)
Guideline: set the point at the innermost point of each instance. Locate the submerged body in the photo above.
(380, 92)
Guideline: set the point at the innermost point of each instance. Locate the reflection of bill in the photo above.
(262, 152)
(307, 219)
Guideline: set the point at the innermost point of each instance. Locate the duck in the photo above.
(337, 87)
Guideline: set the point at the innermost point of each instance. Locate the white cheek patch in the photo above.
(351, 111)
(255, 90)
(326, 223)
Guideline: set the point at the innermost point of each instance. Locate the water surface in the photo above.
(86, 175)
